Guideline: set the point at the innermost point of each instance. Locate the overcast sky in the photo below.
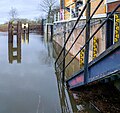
(25, 8)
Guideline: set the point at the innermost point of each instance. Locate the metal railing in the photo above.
(87, 41)
(82, 30)
(72, 29)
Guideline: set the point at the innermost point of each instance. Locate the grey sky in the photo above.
(26, 9)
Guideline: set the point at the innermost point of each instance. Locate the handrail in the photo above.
(92, 36)
(72, 30)
(81, 31)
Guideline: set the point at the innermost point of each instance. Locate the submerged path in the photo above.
(29, 86)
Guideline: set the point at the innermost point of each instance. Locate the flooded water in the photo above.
(29, 82)
(27, 77)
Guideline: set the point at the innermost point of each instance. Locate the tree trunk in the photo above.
(49, 15)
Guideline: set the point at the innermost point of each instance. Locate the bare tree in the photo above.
(47, 6)
(13, 13)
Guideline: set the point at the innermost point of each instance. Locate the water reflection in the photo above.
(25, 33)
(28, 87)
(14, 46)
(25, 38)
(62, 95)
(14, 50)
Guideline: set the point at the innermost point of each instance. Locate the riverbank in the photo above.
(3, 27)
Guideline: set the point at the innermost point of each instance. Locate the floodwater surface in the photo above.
(27, 82)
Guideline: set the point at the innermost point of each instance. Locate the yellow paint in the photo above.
(116, 27)
(82, 58)
(95, 47)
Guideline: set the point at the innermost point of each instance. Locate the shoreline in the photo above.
(3, 27)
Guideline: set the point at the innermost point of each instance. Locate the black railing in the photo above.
(72, 30)
(81, 31)
(88, 40)
(92, 35)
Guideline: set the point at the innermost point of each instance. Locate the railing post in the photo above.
(64, 51)
(47, 31)
(51, 28)
(86, 58)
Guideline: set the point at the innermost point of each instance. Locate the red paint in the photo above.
(77, 80)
